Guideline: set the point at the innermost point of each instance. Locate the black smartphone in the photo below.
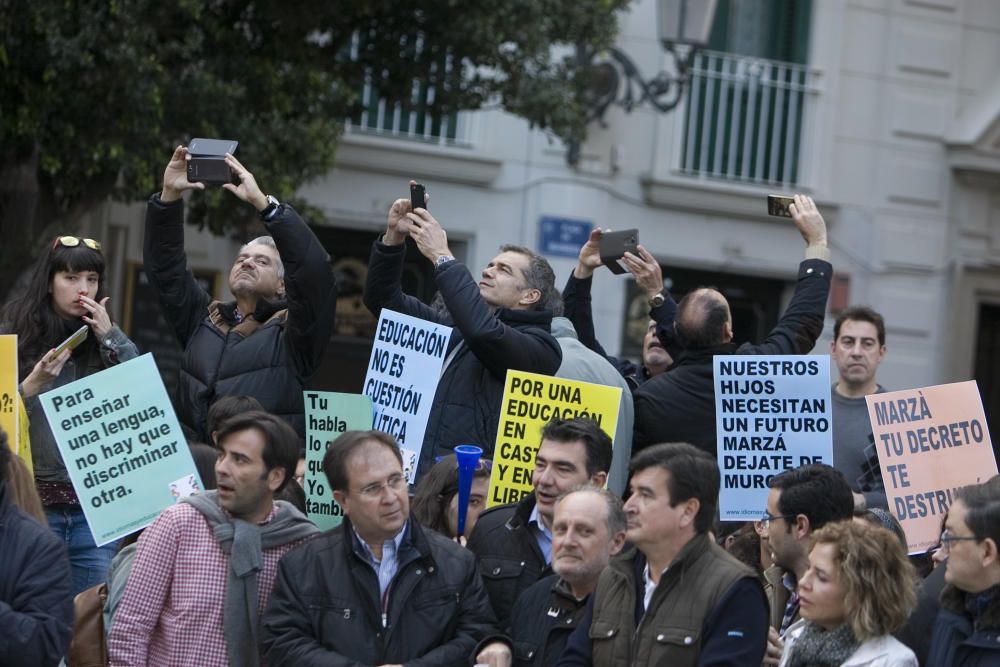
(777, 205)
(614, 245)
(208, 161)
(418, 196)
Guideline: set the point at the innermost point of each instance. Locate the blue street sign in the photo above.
(562, 237)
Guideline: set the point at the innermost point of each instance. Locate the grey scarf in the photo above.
(244, 542)
(817, 647)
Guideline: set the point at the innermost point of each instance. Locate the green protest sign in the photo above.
(122, 446)
(329, 414)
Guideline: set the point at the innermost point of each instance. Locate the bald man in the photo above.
(679, 405)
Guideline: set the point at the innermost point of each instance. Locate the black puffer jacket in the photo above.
(466, 407)
(326, 610)
(271, 354)
(508, 554)
(679, 405)
(36, 593)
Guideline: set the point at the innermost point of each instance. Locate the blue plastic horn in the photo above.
(468, 459)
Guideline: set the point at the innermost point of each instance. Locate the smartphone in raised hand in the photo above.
(614, 245)
(418, 196)
(208, 161)
(777, 205)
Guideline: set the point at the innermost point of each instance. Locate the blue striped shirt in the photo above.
(388, 565)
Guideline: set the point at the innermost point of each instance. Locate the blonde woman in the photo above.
(859, 589)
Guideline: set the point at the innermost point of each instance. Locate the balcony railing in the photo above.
(745, 119)
(409, 119)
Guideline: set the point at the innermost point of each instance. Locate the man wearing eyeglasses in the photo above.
(376, 590)
(967, 631)
(800, 501)
(268, 341)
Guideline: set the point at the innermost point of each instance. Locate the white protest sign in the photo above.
(402, 378)
(772, 414)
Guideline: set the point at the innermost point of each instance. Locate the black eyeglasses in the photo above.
(768, 518)
(947, 538)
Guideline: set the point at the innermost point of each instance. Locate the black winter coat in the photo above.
(544, 617)
(961, 640)
(466, 407)
(326, 610)
(272, 353)
(36, 591)
(509, 556)
(679, 405)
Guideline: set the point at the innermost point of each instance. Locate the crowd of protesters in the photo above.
(616, 557)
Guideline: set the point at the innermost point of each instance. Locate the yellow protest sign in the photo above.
(8, 390)
(930, 442)
(529, 402)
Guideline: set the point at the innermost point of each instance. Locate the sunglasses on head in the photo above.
(74, 241)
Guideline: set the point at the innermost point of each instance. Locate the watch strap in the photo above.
(271, 209)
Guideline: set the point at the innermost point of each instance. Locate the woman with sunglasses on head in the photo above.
(65, 292)
(859, 589)
(435, 500)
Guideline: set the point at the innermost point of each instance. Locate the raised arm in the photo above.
(498, 346)
(383, 287)
(802, 322)
(310, 286)
(183, 301)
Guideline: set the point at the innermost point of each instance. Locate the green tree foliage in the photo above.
(95, 94)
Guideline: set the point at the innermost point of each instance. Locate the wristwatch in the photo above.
(442, 259)
(271, 208)
(656, 300)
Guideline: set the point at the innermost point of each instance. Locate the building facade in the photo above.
(887, 112)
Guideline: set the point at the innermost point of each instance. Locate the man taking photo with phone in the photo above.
(500, 323)
(266, 343)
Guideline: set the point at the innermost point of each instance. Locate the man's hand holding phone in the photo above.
(430, 237)
(808, 220)
(175, 177)
(590, 256)
(399, 224)
(647, 271)
(247, 190)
